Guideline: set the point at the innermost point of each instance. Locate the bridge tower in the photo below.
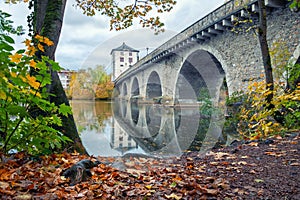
(123, 57)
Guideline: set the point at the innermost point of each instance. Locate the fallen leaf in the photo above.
(212, 191)
(173, 184)
(295, 164)
(259, 180)
(173, 196)
(23, 197)
(253, 144)
(148, 187)
(244, 156)
(4, 185)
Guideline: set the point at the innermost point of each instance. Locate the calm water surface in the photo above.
(117, 128)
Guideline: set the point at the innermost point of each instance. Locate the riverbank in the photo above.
(254, 170)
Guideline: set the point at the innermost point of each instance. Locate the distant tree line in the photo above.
(91, 83)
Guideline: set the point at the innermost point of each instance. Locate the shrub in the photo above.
(260, 119)
(23, 93)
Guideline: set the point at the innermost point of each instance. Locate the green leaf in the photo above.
(55, 66)
(64, 109)
(173, 184)
(8, 39)
(6, 46)
(21, 51)
(17, 110)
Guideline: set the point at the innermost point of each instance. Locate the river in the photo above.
(116, 128)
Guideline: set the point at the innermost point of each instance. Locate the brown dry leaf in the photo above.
(253, 144)
(214, 163)
(135, 171)
(240, 163)
(276, 154)
(8, 192)
(278, 137)
(238, 191)
(220, 182)
(130, 163)
(4, 185)
(295, 164)
(211, 191)
(220, 155)
(173, 196)
(23, 197)
(250, 188)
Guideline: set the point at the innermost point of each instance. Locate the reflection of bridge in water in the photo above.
(150, 129)
(162, 130)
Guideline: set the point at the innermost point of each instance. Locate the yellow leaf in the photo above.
(16, 58)
(148, 187)
(48, 42)
(32, 64)
(41, 47)
(269, 124)
(13, 74)
(27, 42)
(2, 95)
(259, 180)
(32, 81)
(39, 38)
(31, 50)
(23, 79)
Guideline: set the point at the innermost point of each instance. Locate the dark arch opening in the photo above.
(124, 89)
(135, 113)
(153, 88)
(135, 89)
(135, 92)
(153, 119)
(201, 74)
(189, 82)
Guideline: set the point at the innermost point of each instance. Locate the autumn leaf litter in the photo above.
(246, 171)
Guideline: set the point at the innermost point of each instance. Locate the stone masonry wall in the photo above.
(241, 52)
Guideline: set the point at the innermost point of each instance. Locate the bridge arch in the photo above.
(135, 88)
(200, 74)
(153, 88)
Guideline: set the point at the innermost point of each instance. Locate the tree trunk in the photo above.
(48, 22)
(262, 36)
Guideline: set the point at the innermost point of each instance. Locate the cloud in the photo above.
(186, 13)
(139, 39)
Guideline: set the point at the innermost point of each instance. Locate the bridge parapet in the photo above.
(214, 23)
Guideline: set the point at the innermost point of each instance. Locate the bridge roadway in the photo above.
(209, 58)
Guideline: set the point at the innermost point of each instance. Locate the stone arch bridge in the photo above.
(206, 55)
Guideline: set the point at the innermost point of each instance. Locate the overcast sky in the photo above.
(87, 41)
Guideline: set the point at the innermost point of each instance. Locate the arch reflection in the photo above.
(159, 130)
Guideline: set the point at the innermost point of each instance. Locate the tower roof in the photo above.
(124, 47)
